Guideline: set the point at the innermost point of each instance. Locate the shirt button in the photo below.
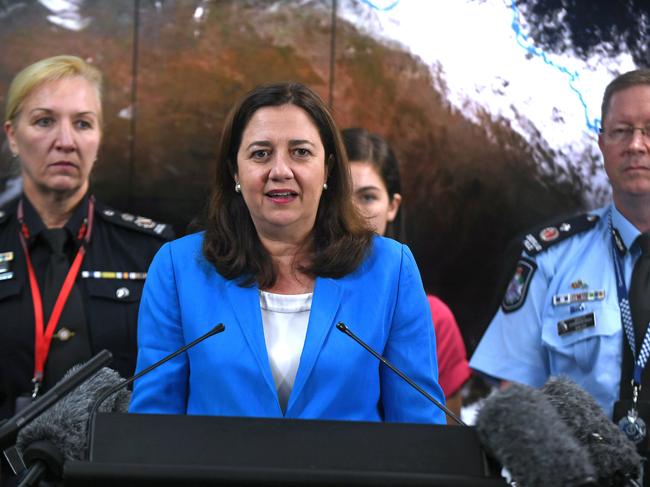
(122, 293)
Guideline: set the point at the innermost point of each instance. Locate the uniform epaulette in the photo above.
(134, 222)
(7, 210)
(545, 237)
(4, 216)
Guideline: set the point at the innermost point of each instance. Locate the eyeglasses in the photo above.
(619, 135)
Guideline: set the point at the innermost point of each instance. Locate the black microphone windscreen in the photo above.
(65, 423)
(611, 452)
(522, 430)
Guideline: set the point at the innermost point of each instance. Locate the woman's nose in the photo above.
(65, 137)
(280, 168)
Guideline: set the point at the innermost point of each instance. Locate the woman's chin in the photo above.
(62, 186)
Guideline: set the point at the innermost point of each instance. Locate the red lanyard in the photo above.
(42, 334)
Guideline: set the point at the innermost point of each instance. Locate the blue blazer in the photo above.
(382, 301)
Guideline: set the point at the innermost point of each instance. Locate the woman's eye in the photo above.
(84, 124)
(260, 154)
(366, 198)
(302, 152)
(44, 122)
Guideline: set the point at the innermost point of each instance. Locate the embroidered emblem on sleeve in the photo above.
(518, 287)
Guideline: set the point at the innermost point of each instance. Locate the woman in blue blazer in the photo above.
(284, 258)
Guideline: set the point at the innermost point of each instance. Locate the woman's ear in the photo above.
(393, 206)
(11, 137)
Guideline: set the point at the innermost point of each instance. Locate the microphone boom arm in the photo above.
(217, 329)
(343, 328)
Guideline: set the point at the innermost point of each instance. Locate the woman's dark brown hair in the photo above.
(340, 236)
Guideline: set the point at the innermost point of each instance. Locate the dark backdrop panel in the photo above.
(468, 188)
(173, 69)
(195, 59)
(100, 32)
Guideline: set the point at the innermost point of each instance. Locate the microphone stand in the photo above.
(343, 328)
(217, 329)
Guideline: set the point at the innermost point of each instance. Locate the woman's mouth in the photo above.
(282, 195)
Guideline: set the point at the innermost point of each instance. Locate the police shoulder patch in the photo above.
(517, 289)
(543, 238)
(134, 222)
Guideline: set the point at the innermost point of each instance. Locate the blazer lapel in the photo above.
(245, 303)
(325, 304)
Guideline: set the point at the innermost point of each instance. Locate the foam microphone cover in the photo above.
(65, 423)
(523, 431)
(614, 456)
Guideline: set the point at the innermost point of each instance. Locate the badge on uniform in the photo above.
(63, 334)
(629, 417)
(576, 324)
(133, 276)
(581, 297)
(518, 287)
(6, 261)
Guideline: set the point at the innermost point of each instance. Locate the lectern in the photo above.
(135, 449)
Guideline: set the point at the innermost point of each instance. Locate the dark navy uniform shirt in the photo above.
(110, 282)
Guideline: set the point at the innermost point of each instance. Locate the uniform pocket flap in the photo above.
(115, 289)
(562, 328)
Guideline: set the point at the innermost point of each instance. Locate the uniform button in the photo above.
(122, 293)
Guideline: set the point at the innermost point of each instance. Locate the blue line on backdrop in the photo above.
(523, 41)
(381, 9)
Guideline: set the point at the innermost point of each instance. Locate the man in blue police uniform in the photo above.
(564, 311)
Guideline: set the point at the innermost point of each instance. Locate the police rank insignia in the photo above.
(135, 222)
(549, 234)
(518, 286)
(538, 241)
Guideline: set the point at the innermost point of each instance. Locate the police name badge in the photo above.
(577, 323)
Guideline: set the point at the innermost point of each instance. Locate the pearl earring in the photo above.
(324, 186)
(237, 187)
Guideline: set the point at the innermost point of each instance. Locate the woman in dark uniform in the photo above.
(71, 269)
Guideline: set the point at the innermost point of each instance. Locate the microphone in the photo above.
(59, 433)
(10, 427)
(343, 328)
(614, 456)
(217, 329)
(524, 432)
(66, 425)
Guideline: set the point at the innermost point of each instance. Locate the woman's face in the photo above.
(281, 170)
(56, 134)
(371, 196)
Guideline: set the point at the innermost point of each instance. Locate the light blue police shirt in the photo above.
(531, 343)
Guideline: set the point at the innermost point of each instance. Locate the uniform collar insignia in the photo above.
(618, 241)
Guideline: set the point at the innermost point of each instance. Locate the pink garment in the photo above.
(453, 369)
